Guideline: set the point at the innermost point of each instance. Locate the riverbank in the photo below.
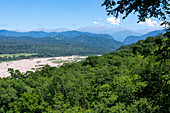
(32, 64)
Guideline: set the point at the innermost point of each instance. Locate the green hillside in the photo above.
(56, 46)
(133, 79)
(133, 39)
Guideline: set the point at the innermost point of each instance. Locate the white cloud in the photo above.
(113, 20)
(149, 22)
(96, 22)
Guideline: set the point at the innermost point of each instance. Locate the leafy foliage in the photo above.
(134, 78)
(145, 8)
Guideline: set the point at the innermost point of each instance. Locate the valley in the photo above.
(84, 56)
(27, 53)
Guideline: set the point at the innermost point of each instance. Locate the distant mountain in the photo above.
(78, 33)
(112, 30)
(101, 29)
(37, 34)
(144, 31)
(121, 35)
(41, 34)
(134, 39)
(53, 30)
(118, 33)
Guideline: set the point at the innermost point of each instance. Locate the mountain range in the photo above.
(124, 36)
(119, 33)
(41, 34)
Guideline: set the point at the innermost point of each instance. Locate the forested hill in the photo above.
(58, 46)
(134, 39)
(133, 79)
(41, 34)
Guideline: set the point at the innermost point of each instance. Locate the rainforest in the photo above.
(134, 78)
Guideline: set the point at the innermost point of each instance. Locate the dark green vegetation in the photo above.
(134, 39)
(85, 44)
(10, 57)
(133, 79)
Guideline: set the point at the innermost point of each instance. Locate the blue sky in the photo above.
(72, 14)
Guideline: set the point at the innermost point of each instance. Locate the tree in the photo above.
(144, 8)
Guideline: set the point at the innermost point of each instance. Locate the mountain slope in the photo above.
(37, 34)
(133, 39)
(96, 40)
(58, 46)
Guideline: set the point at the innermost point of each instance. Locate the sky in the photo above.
(51, 14)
